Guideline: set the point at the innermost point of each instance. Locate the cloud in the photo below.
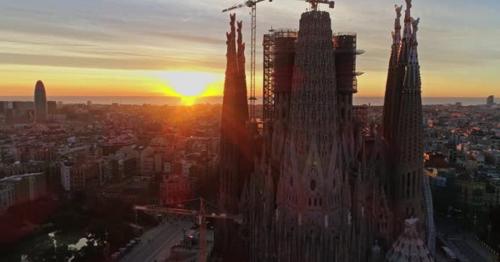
(159, 63)
(165, 34)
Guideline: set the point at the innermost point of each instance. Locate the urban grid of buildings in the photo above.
(315, 179)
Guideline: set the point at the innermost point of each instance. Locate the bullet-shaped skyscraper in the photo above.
(40, 102)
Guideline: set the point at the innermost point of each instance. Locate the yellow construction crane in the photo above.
(253, 5)
(200, 214)
(314, 3)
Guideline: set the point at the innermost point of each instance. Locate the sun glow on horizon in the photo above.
(190, 85)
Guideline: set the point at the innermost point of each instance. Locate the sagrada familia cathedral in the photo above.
(320, 182)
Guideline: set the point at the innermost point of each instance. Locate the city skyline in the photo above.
(141, 48)
(146, 131)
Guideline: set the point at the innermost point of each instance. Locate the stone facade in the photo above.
(236, 155)
(328, 185)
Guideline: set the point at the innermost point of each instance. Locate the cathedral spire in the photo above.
(236, 154)
(396, 35)
(414, 43)
(407, 29)
(231, 48)
(403, 127)
(391, 99)
(412, 76)
(241, 49)
(404, 50)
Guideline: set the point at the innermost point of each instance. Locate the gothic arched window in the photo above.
(313, 184)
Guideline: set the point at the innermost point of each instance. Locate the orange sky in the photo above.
(93, 82)
(166, 47)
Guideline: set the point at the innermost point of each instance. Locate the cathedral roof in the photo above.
(409, 247)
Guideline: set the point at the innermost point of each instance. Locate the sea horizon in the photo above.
(172, 100)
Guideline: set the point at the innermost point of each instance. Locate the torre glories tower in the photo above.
(40, 103)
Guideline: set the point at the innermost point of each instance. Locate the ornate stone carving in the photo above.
(415, 23)
(398, 10)
(408, 4)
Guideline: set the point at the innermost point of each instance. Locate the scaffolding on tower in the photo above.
(278, 52)
(267, 87)
(345, 61)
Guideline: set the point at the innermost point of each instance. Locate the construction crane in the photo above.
(200, 214)
(253, 5)
(314, 3)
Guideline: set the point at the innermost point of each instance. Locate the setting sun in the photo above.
(189, 86)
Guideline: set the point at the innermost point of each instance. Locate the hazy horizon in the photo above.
(174, 100)
(160, 96)
(153, 47)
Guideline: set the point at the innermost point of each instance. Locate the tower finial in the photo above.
(407, 30)
(240, 37)
(241, 47)
(232, 18)
(231, 44)
(414, 42)
(408, 4)
(315, 3)
(398, 10)
(397, 25)
(414, 23)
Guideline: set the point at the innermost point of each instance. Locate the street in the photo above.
(467, 248)
(464, 244)
(156, 243)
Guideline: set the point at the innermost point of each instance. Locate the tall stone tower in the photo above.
(308, 202)
(404, 123)
(235, 151)
(40, 102)
(329, 186)
(236, 154)
(393, 86)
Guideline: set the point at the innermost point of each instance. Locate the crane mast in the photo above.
(253, 45)
(314, 3)
(252, 4)
(200, 214)
(252, 97)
